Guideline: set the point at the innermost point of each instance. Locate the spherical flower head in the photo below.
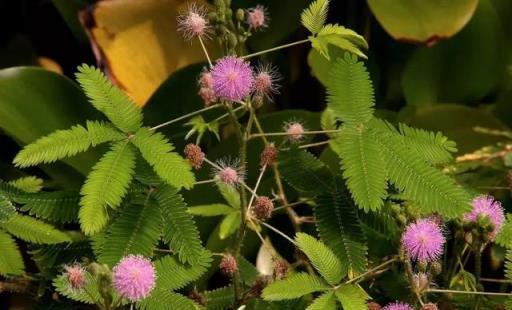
(423, 241)
(430, 306)
(206, 79)
(268, 155)
(75, 275)
(257, 17)
(229, 172)
(232, 78)
(134, 277)
(265, 81)
(263, 208)
(372, 305)
(228, 265)
(280, 268)
(194, 155)
(398, 306)
(294, 131)
(487, 206)
(208, 95)
(193, 23)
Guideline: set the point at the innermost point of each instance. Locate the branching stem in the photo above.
(276, 48)
(172, 121)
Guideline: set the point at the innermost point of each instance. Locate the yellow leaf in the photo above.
(137, 43)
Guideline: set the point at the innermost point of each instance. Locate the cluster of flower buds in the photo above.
(228, 265)
(485, 219)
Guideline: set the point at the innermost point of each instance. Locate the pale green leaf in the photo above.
(34, 231)
(352, 297)
(229, 225)
(340, 37)
(294, 286)
(215, 209)
(11, 262)
(313, 17)
(327, 301)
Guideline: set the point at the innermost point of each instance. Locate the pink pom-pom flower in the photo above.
(229, 172)
(398, 306)
(423, 240)
(193, 23)
(232, 78)
(75, 275)
(134, 277)
(294, 131)
(265, 81)
(257, 17)
(487, 206)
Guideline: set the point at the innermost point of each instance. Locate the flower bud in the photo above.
(269, 155)
(228, 265)
(436, 268)
(240, 15)
(372, 305)
(194, 155)
(429, 306)
(263, 208)
(280, 268)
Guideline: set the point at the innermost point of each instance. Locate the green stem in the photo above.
(186, 116)
(276, 48)
(478, 263)
(314, 132)
(433, 290)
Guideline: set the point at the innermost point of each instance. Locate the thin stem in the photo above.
(384, 264)
(205, 182)
(227, 114)
(256, 188)
(305, 146)
(205, 51)
(478, 262)
(495, 280)
(433, 290)
(276, 48)
(278, 232)
(314, 132)
(172, 121)
(293, 204)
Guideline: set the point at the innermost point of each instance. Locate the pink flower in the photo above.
(206, 91)
(194, 155)
(257, 17)
(423, 240)
(232, 78)
(134, 277)
(486, 206)
(294, 131)
(265, 81)
(229, 172)
(76, 276)
(398, 306)
(193, 23)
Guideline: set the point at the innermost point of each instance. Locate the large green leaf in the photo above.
(464, 68)
(35, 102)
(294, 286)
(34, 231)
(11, 262)
(422, 21)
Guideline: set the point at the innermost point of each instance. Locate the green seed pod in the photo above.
(436, 268)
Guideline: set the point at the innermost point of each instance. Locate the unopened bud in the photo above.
(263, 208)
(228, 265)
(372, 305)
(280, 268)
(430, 306)
(269, 155)
(197, 297)
(436, 268)
(240, 15)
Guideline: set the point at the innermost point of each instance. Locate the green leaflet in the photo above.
(322, 258)
(339, 227)
(7, 209)
(66, 143)
(11, 262)
(173, 275)
(294, 286)
(327, 301)
(157, 151)
(55, 206)
(161, 299)
(350, 91)
(363, 167)
(28, 184)
(135, 231)
(106, 186)
(221, 298)
(432, 190)
(313, 177)
(352, 297)
(89, 294)
(180, 229)
(109, 99)
(34, 231)
(314, 16)
(340, 37)
(214, 209)
(504, 237)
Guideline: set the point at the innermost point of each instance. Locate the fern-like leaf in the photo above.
(109, 99)
(173, 275)
(340, 37)
(350, 91)
(327, 301)
(57, 145)
(322, 258)
(169, 166)
(352, 297)
(34, 231)
(363, 168)
(180, 229)
(55, 206)
(7, 209)
(11, 262)
(65, 143)
(432, 190)
(433, 146)
(220, 299)
(106, 186)
(161, 299)
(504, 237)
(314, 17)
(294, 286)
(339, 228)
(28, 184)
(135, 231)
(313, 176)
